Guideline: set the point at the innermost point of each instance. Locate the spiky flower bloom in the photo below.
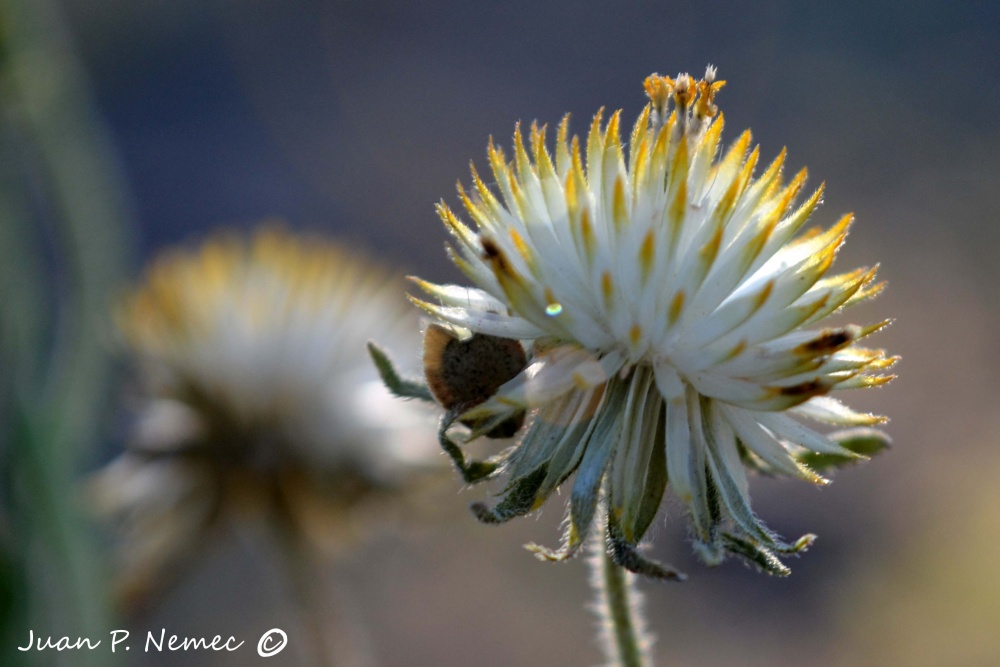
(675, 312)
(257, 396)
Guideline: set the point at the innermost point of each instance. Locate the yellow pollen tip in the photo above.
(658, 89)
(421, 283)
(611, 138)
(877, 380)
(595, 124)
(685, 90)
(872, 328)
(882, 364)
(843, 225)
(423, 305)
(706, 107)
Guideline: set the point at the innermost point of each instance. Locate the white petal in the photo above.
(724, 441)
(493, 324)
(787, 429)
(728, 389)
(831, 411)
(457, 296)
(763, 444)
(678, 432)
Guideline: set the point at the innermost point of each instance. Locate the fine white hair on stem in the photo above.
(624, 637)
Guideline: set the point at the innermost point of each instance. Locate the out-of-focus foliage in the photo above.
(61, 252)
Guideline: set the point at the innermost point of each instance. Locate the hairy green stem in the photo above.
(617, 605)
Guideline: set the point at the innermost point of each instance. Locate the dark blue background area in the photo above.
(356, 117)
(195, 153)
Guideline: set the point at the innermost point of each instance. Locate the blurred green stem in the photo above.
(52, 339)
(305, 593)
(329, 638)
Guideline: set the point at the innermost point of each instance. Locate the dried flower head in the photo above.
(674, 311)
(258, 397)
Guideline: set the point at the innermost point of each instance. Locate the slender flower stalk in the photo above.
(618, 607)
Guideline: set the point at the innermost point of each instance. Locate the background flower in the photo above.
(256, 398)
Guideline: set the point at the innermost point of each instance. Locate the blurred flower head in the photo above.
(674, 308)
(257, 395)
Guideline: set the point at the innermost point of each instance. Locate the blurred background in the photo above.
(352, 119)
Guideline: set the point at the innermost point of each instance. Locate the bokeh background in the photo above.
(352, 119)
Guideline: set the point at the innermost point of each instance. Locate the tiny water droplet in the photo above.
(553, 309)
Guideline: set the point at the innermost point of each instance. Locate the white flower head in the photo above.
(674, 308)
(257, 396)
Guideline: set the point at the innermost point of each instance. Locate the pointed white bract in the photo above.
(675, 302)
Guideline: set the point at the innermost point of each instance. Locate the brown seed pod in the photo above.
(464, 373)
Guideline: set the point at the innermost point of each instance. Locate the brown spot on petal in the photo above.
(810, 388)
(490, 249)
(493, 254)
(829, 341)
